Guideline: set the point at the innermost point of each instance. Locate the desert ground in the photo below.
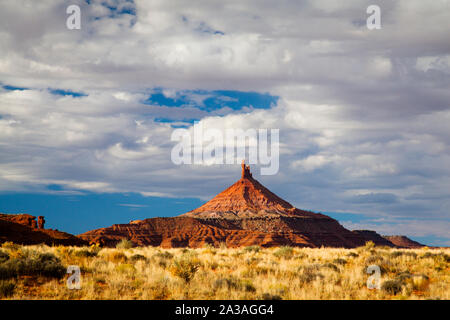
(126, 272)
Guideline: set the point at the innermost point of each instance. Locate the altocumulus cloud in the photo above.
(363, 115)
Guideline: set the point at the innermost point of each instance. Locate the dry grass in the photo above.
(242, 273)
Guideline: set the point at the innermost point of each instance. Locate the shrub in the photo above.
(32, 264)
(285, 252)
(392, 286)
(268, 296)
(340, 261)
(85, 253)
(374, 259)
(116, 257)
(353, 255)
(137, 257)
(160, 290)
(248, 286)
(164, 255)
(331, 266)
(3, 256)
(397, 254)
(310, 273)
(10, 246)
(126, 268)
(403, 276)
(427, 255)
(252, 249)
(184, 268)
(7, 288)
(369, 245)
(228, 283)
(124, 244)
(232, 283)
(420, 282)
(447, 258)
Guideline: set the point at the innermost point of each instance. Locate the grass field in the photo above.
(39, 272)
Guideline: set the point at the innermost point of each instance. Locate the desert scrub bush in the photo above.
(253, 261)
(340, 261)
(165, 255)
(369, 245)
(403, 276)
(3, 256)
(6, 288)
(397, 254)
(284, 252)
(116, 257)
(374, 259)
(64, 252)
(392, 286)
(420, 281)
(300, 256)
(33, 264)
(184, 268)
(138, 257)
(8, 245)
(213, 265)
(255, 249)
(126, 268)
(124, 244)
(209, 248)
(441, 258)
(352, 255)
(85, 253)
(269, 296)
(331, 267)
(232, 283)
(416, 281)
(309, 273)
(160, 290)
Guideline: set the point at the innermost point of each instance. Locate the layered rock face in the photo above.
(403, 242)
(244, 214)
(370, 235)
(24, 229)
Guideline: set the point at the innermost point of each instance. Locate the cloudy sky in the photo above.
(86, 115)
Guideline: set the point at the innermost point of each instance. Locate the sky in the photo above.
(86, 115)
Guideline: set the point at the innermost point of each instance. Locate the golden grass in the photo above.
(241, 273)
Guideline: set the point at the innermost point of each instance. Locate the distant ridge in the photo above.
(404, 242)
(244, 214)
(24, 229)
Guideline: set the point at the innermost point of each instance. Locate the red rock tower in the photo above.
(245, 170)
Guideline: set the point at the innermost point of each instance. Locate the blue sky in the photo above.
(363, 115)
(79, 213)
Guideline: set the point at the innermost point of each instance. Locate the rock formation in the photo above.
(370, 235)
(244, 214)
(41, 222)
(21, 228)
(403, 242)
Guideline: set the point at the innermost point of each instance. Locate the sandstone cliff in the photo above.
(244, 214)
(24, 229)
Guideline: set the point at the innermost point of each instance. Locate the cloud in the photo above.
(133, 205)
